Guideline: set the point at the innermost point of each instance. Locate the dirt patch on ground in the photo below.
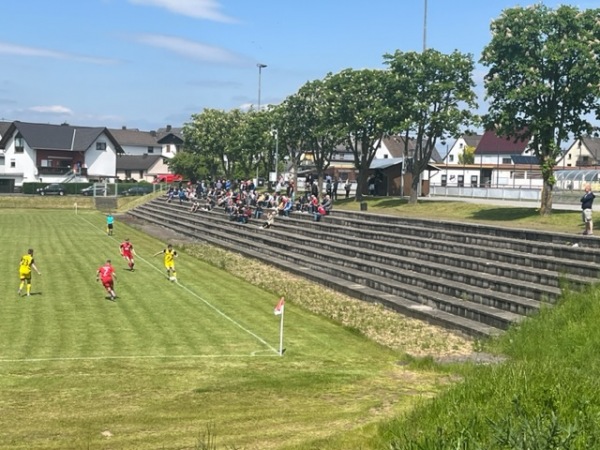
(387, 327)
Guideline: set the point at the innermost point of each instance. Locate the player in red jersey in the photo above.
(106, 274)
(128, 253)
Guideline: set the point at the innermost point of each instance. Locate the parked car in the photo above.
(52, 189)
(138, 190)
(91, 190)
(167, 178)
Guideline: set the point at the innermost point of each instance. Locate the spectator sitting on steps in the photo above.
(320, 212)
(327, 204)
(270, 219)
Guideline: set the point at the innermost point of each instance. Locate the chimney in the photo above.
(168, 128)
(123, 127)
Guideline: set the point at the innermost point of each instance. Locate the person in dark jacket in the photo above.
(586, 209)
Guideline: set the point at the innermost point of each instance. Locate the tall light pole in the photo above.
(275, 133)
(425, 27)
(260, 68)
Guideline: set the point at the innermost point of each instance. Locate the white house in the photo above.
(584, 152)
(56, 153)
(141, 167)
(136, 142)
(460, 145)
(171, 140)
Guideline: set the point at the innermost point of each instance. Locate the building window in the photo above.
(101, 146)
(451, 158)
(385, 156)
(19, 144)
(473, 180)
(444, 180)
(1, 160)
(150, 149)
(569, 156)
(168, 150)
(13, 164)
(461, 181)
(506, 160)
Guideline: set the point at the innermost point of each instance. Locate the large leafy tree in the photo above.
(543, 82)
(304, 121)
(357, 102)
(211, 135)
(433, 98)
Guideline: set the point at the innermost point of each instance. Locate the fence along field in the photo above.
(167, 361)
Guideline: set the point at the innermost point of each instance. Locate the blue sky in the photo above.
(148, 63)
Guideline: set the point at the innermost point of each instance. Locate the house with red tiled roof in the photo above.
(494, 149)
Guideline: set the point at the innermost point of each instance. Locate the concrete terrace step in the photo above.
(571, 260)
(481, 303)
(402, 305)
(522, 234)
(558, 245)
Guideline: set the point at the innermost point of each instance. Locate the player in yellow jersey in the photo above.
(169, 259)
(27, 263)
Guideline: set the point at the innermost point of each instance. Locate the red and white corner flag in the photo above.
(278, 311)
(279, 307)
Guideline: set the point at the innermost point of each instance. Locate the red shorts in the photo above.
(107, 283)
(127, 255)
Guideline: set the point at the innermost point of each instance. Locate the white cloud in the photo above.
(21, 50)
(199, 9)
(192, 50)
(53, 109)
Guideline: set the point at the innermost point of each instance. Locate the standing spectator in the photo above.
(25, 266)
(347, 187)
(106, 274)
(334, 189)
(586, 209)
(371, 185)
(315, 188)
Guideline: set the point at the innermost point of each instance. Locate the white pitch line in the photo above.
(217, 310)
(103, 358)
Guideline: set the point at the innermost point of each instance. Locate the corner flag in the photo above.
(279, 307)
(278, 311)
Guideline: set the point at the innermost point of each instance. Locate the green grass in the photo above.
(506, 216)
(165, 361)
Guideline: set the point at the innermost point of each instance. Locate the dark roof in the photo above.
(472, 140)
(169, 135)
(41, 136)
(395, 145)
(134, 137)
(4, 127)
(136, 162)
(492, 144)
(593, 145)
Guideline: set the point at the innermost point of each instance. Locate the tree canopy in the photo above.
(543, 83)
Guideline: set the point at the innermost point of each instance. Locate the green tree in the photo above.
(190, 165)
(356, 101)
(211, 135)
(543, 82)
(467, 156)
(303, 117)
(433, 99)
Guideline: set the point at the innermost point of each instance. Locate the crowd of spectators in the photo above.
(241, 201)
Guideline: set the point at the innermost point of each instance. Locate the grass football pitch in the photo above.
(169, 364)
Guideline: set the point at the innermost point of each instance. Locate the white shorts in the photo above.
(586, 214)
